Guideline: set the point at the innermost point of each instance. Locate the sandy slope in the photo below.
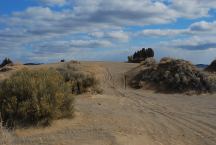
(129, 117)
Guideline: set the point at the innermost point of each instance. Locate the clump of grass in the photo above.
(79, 82)
(34, 97)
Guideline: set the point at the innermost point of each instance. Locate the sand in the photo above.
(125, 116)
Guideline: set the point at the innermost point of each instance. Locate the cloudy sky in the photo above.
(110, 30)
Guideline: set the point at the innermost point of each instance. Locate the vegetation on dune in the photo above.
(78, 81)
(5, 62)
(212, 67)
(176, 75)
(34, 97)
(141, 55)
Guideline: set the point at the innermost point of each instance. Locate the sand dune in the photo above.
(124, 116)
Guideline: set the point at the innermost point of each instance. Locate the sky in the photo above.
(107, 30)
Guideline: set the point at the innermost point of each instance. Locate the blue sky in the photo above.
(50, 30)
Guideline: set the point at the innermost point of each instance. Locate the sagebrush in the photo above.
(79, 82)
(176, 75)
(212, 66)
(34, 97)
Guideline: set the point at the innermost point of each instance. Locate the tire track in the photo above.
(199, 128)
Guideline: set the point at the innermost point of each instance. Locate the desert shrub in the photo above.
(176, 75)
(34, 97)
(5, 62)
(79, 82)
(149, 62)
(212, 67)
(212, 82)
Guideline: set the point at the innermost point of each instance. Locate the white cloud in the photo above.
(197, 28)
(194, 43)
(54, 2)
(119, 35)
(160, 32)
(203, 26)
(115, 35)
(103, 21)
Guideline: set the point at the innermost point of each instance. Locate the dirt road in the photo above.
(130, 117)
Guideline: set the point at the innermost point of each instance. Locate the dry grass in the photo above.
(80, 82)
(5, 137)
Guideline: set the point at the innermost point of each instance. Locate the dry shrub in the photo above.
(175, 75)
(212, 82)
(34, 97)
(79, 82)
(149, 62)
(212, 67)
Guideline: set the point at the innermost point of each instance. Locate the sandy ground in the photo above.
(124, 116)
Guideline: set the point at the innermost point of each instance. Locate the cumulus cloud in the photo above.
(203, 26)
(119, 35)
(99, 24)
(53, 2)
(160, 32)
(115, 35)
(197, 28)
(194, 43)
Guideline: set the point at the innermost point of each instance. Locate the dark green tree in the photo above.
(150, 52)
(6, 61)
(141, 55)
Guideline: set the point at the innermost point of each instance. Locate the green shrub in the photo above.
(34, 97)
(79, 82)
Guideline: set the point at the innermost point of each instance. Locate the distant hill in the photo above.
(203, 66)
(33, 63)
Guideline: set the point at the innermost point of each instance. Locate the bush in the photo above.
(149, 62)
(175, 75)
(212, 67)
(212, 82)
(79, 82)
(34, 97)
